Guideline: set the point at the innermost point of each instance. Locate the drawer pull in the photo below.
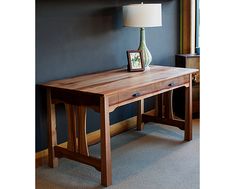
(171, 84)
(136, 94)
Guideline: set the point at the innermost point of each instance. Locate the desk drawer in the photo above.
(148, 89)
(172, 83)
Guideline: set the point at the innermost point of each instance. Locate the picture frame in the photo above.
(135, 60)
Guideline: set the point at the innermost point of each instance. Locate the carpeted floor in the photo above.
(156, 158)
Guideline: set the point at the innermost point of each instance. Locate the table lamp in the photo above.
(141, 16)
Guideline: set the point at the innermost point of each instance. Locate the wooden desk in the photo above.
(104, 92)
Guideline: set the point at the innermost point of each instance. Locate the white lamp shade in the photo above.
(142, 15)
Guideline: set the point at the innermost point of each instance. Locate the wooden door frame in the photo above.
(187, 26)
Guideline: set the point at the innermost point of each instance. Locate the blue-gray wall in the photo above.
(75, 37)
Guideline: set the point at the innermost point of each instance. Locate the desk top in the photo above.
(113, 81)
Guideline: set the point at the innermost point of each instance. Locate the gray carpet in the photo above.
(156, 158)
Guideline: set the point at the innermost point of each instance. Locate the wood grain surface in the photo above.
(114, 81)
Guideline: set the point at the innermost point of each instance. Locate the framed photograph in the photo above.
(135, 61)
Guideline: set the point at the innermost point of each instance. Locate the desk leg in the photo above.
(168, 105)
(188, 111)
(71, 116)
(106, 161)
(140, 123)
(159, 106)
(82, 137)
(52, 135)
